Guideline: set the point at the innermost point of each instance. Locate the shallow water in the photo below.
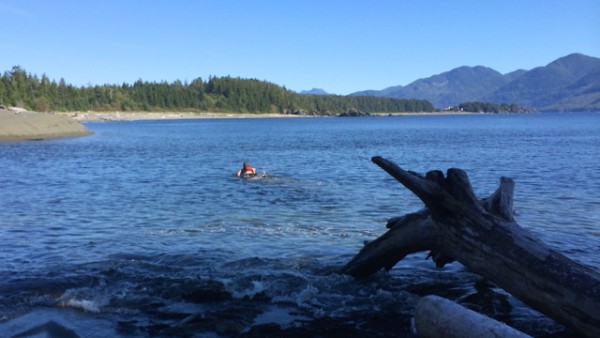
(143, 229)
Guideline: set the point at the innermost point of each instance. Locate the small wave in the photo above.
(260, 176)
(83, 304)
(80, 299)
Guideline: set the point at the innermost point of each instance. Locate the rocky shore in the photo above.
(18, 124)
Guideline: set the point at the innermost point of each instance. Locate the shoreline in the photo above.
(18, 124)
(92, 116)
(22, 125)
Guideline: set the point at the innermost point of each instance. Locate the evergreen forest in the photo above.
(218, 94)
(486, 107)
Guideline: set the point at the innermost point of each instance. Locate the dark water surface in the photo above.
(143, 230)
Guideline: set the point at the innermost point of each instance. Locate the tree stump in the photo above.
(484, 236)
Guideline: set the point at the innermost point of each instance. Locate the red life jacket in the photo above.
(249, 170)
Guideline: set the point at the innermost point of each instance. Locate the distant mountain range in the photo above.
(571, 83)
(314, 91)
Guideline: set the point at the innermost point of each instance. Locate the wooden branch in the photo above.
(501, 201)
(411, 233)
(484, 236)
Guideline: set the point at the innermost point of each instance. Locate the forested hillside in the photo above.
(570, 83)
(21, 89)
(452, 87)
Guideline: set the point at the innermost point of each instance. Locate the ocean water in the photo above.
(142, 229)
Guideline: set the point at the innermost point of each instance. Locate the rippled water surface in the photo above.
(143, 230)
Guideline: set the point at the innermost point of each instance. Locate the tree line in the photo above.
(487, 107)
(227, 94)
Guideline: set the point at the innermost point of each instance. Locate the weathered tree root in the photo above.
(484, 236)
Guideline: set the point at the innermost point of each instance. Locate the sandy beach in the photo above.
(91, 116)
(137, 116)
(18, 125)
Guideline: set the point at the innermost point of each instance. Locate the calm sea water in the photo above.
(143, 230)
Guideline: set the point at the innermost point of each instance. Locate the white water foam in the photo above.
(77, 299)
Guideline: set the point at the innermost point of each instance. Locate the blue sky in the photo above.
(341, 46)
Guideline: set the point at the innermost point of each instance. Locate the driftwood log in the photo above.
(437, 317)
(484, 236)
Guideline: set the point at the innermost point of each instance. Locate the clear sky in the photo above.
(341, 46)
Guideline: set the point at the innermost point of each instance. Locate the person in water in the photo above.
(247, 170)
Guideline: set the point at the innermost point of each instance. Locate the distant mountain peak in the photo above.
(570, 83)
(314, 91)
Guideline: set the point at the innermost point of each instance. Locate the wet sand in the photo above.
(18, 125)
